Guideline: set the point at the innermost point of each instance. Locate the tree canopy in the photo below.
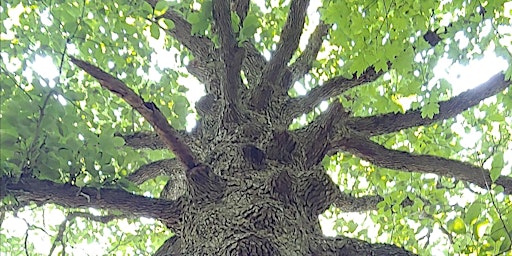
(310, 108)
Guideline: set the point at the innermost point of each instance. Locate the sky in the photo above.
(461, 77)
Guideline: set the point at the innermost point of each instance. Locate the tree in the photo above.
(104, 138)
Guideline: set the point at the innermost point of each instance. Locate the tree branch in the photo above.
(318, 133)
(403, 161)
(305, 61)
(182, 31)
(331, 88)
(43, 192)
(388, 123)
(143, 139)
(147, 109)
(231, 55)
(166, 167)
(289, 41)
(287, 45)
(348, 203)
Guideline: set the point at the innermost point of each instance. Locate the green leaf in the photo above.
(155, 30)
(128, 185)
(473, 211)
(235, 22)
(118, 141)
(75, 96)
(161, 7)
(497, 165)
(457, 225)
(430, 109)
(169, 24)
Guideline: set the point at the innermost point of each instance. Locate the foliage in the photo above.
(62, 126)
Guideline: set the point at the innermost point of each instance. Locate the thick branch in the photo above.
(388, 123)
(182, 31)
(287, 45)
(147, 109)
(152, 170)
(403, 161)
(231, 55)
(331, 88)
(305, 61)
(43, 192)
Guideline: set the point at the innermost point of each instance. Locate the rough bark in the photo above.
(250, 186)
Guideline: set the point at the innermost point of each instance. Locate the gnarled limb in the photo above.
(331, 88)
(43, 192)
(404, 161)
(147, 109)
(305, 61)
(287, 45)
(231, 56)
(388, 123)
(167, 167)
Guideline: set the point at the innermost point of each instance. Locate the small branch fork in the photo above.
(287, 45)
(304, 62)
(147, 109)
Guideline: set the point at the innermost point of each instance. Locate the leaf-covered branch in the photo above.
(304, 63)
(388, 123)
(44, 192)
(404, 161)
(147, 109)
(287, 45)
(331, 88)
